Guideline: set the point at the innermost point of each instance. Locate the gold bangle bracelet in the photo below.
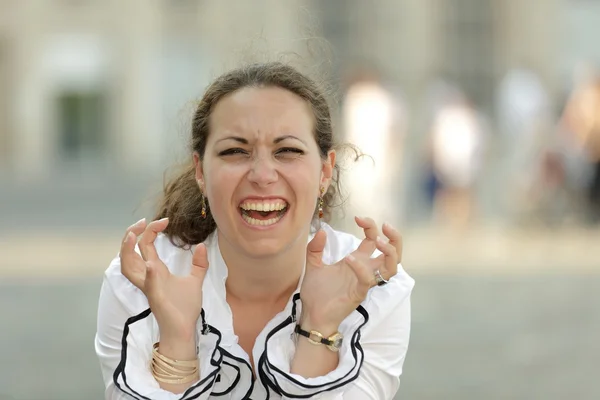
(167, 370)
(165, 374)
(175, 379)
(173, 368)
(166, 377)
(180, 363)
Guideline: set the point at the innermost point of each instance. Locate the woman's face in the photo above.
(262, 170)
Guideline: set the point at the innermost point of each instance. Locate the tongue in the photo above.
(262, 215)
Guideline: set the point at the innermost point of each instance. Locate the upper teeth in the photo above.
(263, 206)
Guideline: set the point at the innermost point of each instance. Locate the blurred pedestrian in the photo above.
(582, 119)
(374, 119)
(523, 115)
(457, 139)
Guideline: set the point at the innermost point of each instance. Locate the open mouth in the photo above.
(263, 213)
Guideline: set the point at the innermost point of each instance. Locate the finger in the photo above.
(128, 256)
(129, 260)
(146, 243)
(199, 262)
(151, 283)
(389, 258)
(395, 239)
(127, 245)
(314, 249)
(369, 226)
(361, 270)
(136, 228)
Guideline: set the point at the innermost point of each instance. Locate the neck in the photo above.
(263, 279)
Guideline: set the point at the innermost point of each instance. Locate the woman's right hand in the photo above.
(175, 301)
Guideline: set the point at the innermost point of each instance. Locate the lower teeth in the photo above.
(261, 222)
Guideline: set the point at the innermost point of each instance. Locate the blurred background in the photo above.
(482, 118)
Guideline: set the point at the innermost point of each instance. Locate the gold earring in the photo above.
(321, 202)
(203, 202)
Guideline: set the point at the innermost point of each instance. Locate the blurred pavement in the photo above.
(521, 324)
(497, 313)
(474, 336)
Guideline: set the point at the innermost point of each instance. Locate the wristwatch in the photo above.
(333, 342)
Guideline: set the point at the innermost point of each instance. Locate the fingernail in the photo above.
(141, 221)
(129, 237)
(163, 219)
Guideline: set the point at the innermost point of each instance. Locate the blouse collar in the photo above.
(218, 271)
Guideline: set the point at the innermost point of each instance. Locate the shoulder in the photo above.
(176, 259)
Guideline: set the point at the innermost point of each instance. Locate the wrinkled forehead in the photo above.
(261, 114)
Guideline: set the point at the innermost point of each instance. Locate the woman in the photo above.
(238, 290)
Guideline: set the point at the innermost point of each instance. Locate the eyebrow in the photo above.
(236, 138)
(275, 141)
(284, 137)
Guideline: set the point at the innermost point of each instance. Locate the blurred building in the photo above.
(110, 85)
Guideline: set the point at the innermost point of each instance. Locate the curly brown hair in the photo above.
(181, 201)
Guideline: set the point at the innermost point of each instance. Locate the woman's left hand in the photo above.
(329, 293)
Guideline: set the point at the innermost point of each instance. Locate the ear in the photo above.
(199, 175)
(327, 169)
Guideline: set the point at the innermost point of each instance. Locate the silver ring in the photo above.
(380, 280)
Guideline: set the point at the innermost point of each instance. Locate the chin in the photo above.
(265, 248)
(264, 244)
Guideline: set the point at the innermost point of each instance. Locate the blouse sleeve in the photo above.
(375, 343)
(125, 334)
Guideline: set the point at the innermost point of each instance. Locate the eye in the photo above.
(233, 151)
(289, 151)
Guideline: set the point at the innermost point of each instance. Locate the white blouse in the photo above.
(375, 342)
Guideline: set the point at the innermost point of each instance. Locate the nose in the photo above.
(262, 171)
